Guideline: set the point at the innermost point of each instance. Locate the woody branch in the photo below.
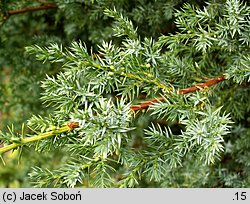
(43, 6)
(147, 104)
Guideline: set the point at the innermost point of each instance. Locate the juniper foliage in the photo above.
(197, 139)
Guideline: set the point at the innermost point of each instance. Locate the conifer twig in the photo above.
(34, 8)
(66, 128)
(147, 104)
(72, 125)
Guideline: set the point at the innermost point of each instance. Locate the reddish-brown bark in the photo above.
(147, 104)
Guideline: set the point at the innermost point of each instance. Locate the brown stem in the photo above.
(147, 104)
(34, 8)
